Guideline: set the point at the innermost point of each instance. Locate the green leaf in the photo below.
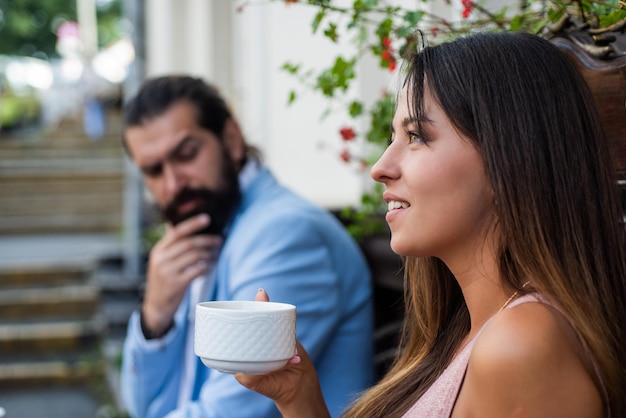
(331, 32)
(355, 109)
(516, 23)
(384, 28)
(291, 68)
(318, 20)
(381, 116)
(412, 18)
(613, 17)
(364, 5)
(292, 97)
(337, 77)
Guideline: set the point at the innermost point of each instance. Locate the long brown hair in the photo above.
(531, 115)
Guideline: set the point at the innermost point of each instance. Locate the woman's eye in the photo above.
(414, 137)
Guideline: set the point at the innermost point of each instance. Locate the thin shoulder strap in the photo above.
(582, 345)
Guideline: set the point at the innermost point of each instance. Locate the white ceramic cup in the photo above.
(245, 336)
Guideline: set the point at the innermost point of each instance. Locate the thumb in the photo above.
(261, 296)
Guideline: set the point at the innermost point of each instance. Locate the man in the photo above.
(232, 229)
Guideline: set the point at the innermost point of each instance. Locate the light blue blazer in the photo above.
(299, 254)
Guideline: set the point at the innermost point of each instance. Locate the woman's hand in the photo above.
(295, 388)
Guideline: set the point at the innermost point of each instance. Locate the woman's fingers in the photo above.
(262, 296)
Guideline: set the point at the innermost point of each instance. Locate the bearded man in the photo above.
(231, 229)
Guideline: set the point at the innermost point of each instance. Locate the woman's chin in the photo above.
(397, 247)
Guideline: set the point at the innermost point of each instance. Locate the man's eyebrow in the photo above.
(156, 166)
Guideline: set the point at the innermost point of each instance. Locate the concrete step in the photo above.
(47, 148)
(49, 302)
(93, 203)
(61, 195)
(50, 373)
(21, 338)
(61, 181)
(73, 401)
(61, 223)
(74, 204)
(62, 186)
(60, 167)
(22, 275)
(70, 130)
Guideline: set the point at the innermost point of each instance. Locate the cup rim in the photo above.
(244, 306)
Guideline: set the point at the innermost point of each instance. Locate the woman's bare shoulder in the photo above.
(525, 362)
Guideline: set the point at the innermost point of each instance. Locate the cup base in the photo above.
(245, 367)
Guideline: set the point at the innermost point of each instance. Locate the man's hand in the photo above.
(177, 259)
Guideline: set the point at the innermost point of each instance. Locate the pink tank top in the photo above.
(438, 401)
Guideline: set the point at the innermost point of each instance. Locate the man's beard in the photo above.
(219, 204)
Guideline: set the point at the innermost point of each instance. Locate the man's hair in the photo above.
(157, 95)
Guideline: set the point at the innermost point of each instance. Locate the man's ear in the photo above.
(234, 142)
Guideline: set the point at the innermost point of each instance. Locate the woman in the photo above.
(502, 196)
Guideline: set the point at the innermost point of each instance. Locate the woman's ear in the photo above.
(234, 142)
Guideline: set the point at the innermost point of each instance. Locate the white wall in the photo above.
(302, 149)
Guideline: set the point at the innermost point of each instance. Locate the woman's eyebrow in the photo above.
(407, 121)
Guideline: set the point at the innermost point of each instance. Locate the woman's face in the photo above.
(438, 195)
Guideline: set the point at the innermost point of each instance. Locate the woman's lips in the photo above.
(394, 207)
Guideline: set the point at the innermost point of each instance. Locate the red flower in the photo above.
(347, 133)
(468, 5)
(387, 53)
(434, 31)
(291, 1)
(345, 155)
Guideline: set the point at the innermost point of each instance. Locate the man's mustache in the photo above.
(172, 211)
(218, 204)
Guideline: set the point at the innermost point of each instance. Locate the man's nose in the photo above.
(173, 178)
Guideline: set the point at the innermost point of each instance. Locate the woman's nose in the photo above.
(386, 168)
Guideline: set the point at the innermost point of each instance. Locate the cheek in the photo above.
(449, 203)
(205, 171)
(157, 192)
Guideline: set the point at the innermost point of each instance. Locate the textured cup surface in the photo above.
(245, 332)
